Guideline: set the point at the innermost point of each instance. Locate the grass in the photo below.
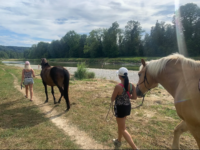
(22, 125)
(151, 126)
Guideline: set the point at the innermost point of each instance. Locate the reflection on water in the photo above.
(129, 66)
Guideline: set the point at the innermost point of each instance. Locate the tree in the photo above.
(3, 54)
(110, 38)
(82, 43)
(93, 45)
(161, 41)
(132, 38)
(187, 21)
(71, 40)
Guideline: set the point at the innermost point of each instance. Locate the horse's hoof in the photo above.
(55, 102)
(67, 109)
(45, 102)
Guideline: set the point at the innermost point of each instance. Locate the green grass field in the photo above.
(22, 125)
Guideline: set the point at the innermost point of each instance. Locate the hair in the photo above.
(126, 81)
(27, 66)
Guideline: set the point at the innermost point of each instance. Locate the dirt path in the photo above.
(81, 138)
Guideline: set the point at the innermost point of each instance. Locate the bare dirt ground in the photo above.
(79, 137)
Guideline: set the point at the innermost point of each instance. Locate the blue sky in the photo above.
(27, 22)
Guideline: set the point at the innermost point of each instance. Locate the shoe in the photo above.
(116, 143)
(31, 100)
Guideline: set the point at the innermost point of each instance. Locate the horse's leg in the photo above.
(61, 92)
(52, 92)
(45, 86)
(66, 88)
(182, 127)
(195, 131)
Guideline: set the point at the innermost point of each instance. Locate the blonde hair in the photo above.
(27, 66)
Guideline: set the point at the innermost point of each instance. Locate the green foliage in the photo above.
(189, 16)
(82, 72)
(11, 51)
(91, 75)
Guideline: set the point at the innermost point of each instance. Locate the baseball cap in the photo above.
(27, 63)
(121, 71)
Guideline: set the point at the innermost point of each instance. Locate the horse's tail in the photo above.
(66, 87)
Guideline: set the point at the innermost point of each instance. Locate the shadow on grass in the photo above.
(19, 116)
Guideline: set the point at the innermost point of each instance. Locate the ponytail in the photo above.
(126, 81)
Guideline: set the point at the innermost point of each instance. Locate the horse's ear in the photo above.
(143, 62)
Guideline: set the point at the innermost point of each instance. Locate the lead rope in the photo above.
(140, 104)
(111, 105)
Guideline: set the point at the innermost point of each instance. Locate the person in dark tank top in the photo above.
(27, 79)
(123, 92)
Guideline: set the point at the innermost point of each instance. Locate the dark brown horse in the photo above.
(55, 76)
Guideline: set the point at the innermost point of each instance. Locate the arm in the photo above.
(33, 73)
(133, 94)
(115, 92)
(22, 76)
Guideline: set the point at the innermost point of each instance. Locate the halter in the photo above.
(145, 79)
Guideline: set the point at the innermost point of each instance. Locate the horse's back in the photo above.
(59, 74)
(46, 76)
(54, 74)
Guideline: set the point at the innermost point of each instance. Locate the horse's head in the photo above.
(43, 62)
(146, 81)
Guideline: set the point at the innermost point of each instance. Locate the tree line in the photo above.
(114, 42)
(12, 51)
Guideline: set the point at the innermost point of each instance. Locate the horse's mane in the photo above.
(45, 65)
(156, 66)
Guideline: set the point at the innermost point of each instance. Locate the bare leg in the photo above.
(122, 131)
(182, 127)
(31, 91)
(26, 90)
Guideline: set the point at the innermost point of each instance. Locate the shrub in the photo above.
(82, 72)
(91, 75)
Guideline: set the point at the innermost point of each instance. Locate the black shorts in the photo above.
(122, 111)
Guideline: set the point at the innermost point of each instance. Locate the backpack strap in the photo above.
(126, 91)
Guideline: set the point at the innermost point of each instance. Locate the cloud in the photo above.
(32, 21)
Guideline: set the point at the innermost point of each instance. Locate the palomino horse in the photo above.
(55, 76)
(180, 76)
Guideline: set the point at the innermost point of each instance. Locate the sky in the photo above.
(27, 22)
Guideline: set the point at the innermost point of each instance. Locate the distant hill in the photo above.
(13, 48)
(12, 51)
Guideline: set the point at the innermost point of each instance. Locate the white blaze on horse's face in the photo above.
(146, 81)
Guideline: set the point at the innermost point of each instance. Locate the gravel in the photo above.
(108, 74)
